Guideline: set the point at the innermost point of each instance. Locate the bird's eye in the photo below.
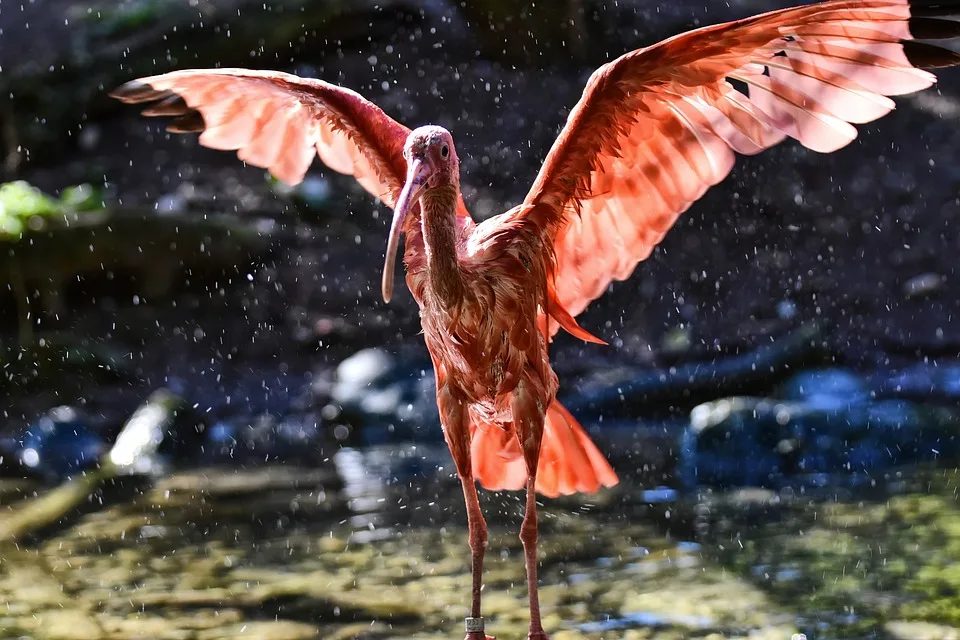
(444, 151)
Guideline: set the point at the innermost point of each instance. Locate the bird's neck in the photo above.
(438, 207)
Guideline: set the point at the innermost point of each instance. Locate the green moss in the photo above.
(21, 203)
(859, 565)
(18, 203)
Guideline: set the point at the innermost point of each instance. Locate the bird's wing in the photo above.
(658, 126)
(278, 121)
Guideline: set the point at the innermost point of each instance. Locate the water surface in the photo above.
(338, 551)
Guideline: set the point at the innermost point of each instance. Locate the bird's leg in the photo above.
(456, 431)
(477, 527)
(528, 535)
(528, 415)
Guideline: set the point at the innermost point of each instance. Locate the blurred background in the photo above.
(212, 427)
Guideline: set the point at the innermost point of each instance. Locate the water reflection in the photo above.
(647, 619)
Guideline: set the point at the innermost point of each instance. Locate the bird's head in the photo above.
(431, 159)
(432, 164)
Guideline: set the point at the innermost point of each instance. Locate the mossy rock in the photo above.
(46, 243)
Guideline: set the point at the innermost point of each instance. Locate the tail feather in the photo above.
(497, 460)
(569, 461)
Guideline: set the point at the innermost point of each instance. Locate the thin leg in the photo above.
(477, 527)
(528, 535)
(528, 416)
(456, 431)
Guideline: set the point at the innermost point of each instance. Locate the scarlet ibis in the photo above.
(653, 130)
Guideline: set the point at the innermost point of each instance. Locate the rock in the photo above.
(58, 445)
(359, 371)
(136, 451)
(625, 391)
(240, 440)
(826, 388)
(55, 242)
(924, 381)
(63, 442)
(732, 442)
(138, 443)
(256, 485)
(768, 443)
(386, 399)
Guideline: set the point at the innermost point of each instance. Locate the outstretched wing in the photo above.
(658, 126)
(278, 121)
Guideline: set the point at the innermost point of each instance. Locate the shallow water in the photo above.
(336, 552)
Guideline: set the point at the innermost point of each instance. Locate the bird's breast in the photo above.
(486, 340)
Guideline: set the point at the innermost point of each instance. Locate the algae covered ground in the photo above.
(285, 553)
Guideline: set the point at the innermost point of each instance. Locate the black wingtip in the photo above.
(191, 122)
(922, 28)
(929, 56)
(137, 91)
(172, 105)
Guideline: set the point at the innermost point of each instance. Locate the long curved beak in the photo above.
(417, 173)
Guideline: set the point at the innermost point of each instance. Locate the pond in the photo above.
(368, 545)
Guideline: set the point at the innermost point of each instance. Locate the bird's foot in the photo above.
(537, 635)
(478, 635)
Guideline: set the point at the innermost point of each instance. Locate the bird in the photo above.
(652, 131)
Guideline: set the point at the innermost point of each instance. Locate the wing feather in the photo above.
(658, 126)
(278, 121)
(264, 147)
